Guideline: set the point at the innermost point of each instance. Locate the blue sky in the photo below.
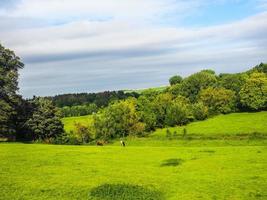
(88, 46)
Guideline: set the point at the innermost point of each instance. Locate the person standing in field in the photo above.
(122, 143)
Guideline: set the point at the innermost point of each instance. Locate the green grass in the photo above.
(36, 171)
(229, 166)
(139, 91)
(236, 124)
(69, 122)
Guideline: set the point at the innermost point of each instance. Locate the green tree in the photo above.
(45, 122)
(233, 81)
(119, 119)
(200, 111)
(146, 113)
(175, 89)
(175, 80)
(9, 66)
(178, 112)
(160, 105)
(254, 92)
(192, 85)
(218, 100)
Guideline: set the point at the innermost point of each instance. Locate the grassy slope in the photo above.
(231, 124)
(70, 121)
(72, 172)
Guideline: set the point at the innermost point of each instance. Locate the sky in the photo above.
(90, 46)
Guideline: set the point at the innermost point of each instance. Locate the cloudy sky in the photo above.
(86, 45)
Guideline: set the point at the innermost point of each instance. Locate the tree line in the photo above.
(196, 97)
(80, 104)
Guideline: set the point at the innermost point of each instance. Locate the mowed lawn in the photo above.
(36, 171)
(235, 124)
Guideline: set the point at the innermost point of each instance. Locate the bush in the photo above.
(200, 111)
(175, 80)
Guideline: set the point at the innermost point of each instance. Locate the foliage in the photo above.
(84, 133)
(254, 92)
(218, 100)
(145, 109)
(101, 99)
(175, 80)
(45, 122)
(160, 105)
(9, 66)
(200, 111)
(192, 85)
(118, 120)
(178, 112)
(233, 82)
(175, 89)
(82, 110)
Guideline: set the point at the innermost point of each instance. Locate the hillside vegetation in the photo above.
(218, 127)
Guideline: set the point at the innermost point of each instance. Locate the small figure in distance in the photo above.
(122, 143)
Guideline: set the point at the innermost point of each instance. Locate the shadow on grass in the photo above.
(207, 151)
(171, 162)
(124, 192)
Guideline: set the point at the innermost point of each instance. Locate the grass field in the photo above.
(153, 168)
(35, 171)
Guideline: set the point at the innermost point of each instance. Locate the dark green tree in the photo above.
(175, 80)
(45, 122)
(9, 66)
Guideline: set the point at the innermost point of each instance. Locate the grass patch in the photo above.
(124, 192)
(69, 122)
(172, 162)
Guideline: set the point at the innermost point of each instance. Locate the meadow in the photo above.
(36, 171)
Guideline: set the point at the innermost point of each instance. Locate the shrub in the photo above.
(200, 111)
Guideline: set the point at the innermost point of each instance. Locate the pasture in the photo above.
(235, 124)
(36, 171)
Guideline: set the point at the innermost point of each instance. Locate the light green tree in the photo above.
(254, 92)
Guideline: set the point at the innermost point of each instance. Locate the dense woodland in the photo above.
(118, 114)
(87, 103)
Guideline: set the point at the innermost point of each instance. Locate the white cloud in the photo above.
(116, 44)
